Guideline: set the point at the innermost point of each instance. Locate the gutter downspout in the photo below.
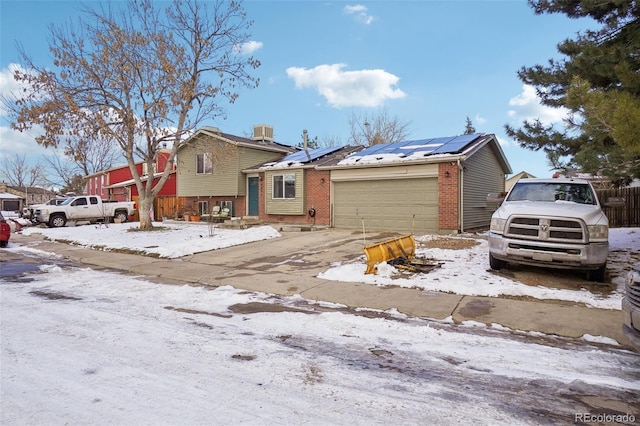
(461, 197)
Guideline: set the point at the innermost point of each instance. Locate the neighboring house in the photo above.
(117, 184)
(513, 179)
(210, 166)
(15, 198)
(294, 190)
(433, 185)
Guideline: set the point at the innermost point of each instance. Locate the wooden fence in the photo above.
(163, 206)
(624, 216)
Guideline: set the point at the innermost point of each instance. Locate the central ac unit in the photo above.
(263, 132)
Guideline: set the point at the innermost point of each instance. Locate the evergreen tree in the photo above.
(469, 129)
(598, 81)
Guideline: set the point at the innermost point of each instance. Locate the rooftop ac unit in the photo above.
(262, 132)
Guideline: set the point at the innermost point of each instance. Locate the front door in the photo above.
(253, 197)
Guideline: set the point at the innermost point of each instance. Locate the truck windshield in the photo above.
(538, 191)
(67, 201)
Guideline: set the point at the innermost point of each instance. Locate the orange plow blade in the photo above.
(388, 250)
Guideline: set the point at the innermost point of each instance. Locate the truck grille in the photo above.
(633, 289)
(546, 229)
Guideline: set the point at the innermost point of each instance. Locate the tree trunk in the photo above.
(145, 211)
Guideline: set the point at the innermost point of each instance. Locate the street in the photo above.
(81, 345)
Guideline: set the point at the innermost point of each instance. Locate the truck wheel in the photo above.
(597, 275)
(122, 216)
(496, 264)
(57, 221)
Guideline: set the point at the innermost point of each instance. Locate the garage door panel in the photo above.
(387, 205)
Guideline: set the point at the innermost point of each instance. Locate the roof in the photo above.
(522, 175)
(425, 151)
(309, 158)
(133, 181)
(6, 195)
(124, 166)
(242, 141)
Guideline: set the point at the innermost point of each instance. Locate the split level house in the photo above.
(437, 185)
(210, 170)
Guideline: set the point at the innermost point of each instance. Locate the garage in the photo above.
(399, 205)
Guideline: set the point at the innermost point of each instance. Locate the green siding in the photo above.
(288, 206)
(227, 178)
(483, 174)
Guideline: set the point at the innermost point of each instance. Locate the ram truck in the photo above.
(631, 307)
(556, 223)
(86, 208)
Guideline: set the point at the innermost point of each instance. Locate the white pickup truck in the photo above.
(85, 208)
(556, 223)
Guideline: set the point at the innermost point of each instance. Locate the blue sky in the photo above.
(431, 64)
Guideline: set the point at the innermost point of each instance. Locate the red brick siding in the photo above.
(316, 195)
(448, 196)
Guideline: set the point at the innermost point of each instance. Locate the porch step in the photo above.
(241, 222)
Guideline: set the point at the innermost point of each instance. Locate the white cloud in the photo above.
(527, 106)
(360, 13)
(248, 48)
(480, 120)
(365, 88)
(8, 85)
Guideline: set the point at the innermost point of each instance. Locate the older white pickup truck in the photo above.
(89, 208)
(555, 223)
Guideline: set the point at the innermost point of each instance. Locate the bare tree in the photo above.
(82, 156)
(16, 171)
(144, 76)
(373, 129)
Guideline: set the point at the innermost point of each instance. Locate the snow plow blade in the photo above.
(401, 247)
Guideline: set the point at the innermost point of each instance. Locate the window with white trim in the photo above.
(203, 207)
(204, 163)
(284, 186)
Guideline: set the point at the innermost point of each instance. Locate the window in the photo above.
(93, 200)
(203, 207)
(145, 169)
(204, 163)
(284, 186)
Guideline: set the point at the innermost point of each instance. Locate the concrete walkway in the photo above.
(289, 265)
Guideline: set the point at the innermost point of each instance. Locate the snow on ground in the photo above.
(464, 272)
(467, 272)
(103, 348)
(168, 240)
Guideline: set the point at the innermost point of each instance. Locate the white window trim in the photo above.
(284, 192)
(205, 156)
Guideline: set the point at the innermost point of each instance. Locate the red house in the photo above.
(117, 184)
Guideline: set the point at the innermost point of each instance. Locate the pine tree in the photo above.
(598, 81)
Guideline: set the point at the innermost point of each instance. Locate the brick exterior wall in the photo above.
(317, 193)
(448, 196)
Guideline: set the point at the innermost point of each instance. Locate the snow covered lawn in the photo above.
(464, 272)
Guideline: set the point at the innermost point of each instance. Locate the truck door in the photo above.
(95, 208)
(79, 208)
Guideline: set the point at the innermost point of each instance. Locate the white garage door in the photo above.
(399, 205)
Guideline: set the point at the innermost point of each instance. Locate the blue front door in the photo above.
(253, 197)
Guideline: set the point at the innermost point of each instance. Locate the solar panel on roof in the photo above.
(445, 145)
(456, 145)
(309, 155)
